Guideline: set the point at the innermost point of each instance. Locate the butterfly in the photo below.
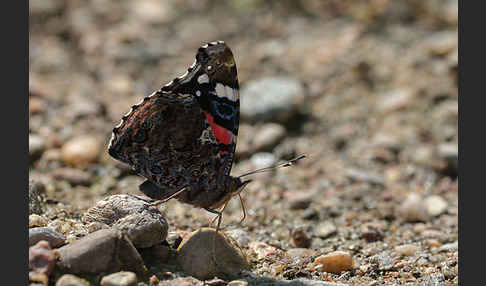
(182, 138)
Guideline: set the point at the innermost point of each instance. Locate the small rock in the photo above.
(301, 238)
(371, 232)
(263, 160)
(298, 200)
(54, 238)
(395, 100)
(145, 226)
(334, 262)
(385, 262)
(36, 189)
(181, 281)
(362, 176)
(450, 247)
(413, 209)
(38, 277)
(442, 43)
(36, 105)
(81, 151)
(205, 256)
(122, 278)
(240, 236)
(238, 283)
(37, 146)
(73, 176)
(325, 229)
(283, 97)
(449, 152)
(262, 250)
(71, 280)
(268, 136)
(300, 253)
(42, 258)
(407, 249)
(215, 282)
(37, 220)
(106, 250)
(435, 205)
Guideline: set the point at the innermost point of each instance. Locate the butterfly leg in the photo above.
(158, 202)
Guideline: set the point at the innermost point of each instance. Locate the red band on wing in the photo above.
(222, 134)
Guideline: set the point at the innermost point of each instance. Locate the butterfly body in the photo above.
(183, 136)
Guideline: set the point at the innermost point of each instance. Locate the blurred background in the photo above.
(367, 89)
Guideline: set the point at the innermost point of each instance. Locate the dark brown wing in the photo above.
(184, 134)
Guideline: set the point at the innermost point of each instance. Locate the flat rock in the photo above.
(106, 250)
(144, 225)
(283, 97)
(122, 278)
(71, 280)
(206, 253)
(54, 238)
(325, 229)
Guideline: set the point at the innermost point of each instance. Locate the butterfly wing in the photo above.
(185, 133)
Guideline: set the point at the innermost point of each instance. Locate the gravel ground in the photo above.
(367, 89)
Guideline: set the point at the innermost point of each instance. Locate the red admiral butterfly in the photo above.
(182, 138)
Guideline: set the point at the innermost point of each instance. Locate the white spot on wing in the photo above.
(198, 93)
(203, 78)
(226, 92)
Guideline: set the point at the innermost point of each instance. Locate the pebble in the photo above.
(449, 247)
(395, 100)
(262, 250)
(268, 136)
(450, 153)
(407, 249)
(36, 189)
(238, 283)
(371, 232)
(198, 250)
(263, 160)
(413, 209)
(73, 176)
(54, 238)
(442, 43)
(181, 281)
(334, 262)
(71, 280)
(283, 97)
(299, 253)
(301, 239)
(325, 229)
(106, 250)
(81, 151)
(122, 278)
(364, 176)
(37, 220)
(241, 236)
(298, 200)
(36, 105)
(145, 226)
(42, 258)
(305, 282)
(37, 146)
(435, 205)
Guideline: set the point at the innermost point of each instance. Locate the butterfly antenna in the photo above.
(283, 165)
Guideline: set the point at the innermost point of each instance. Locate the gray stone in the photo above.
(35, 197)
(37, 146)
(106, 250)
(271, 98)
(267, 137)
(48, 234)
(143, 224)
(325, 229)
(413, 209)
